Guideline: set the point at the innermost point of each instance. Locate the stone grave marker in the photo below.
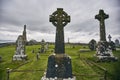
(20, 47)
(42, 50)
(117, 43)
(111, 44)
(59, 64)
(109, 37)
(104, 53)
(92, 45)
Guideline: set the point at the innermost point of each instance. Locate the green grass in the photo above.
(79, 66)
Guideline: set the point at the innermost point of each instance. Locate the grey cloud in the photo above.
(86, 26)
(35, 14)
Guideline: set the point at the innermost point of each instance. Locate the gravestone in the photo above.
(104, 52)
(117, 43)
(32, 42)
(111, 43)
(109, 37)
(101, 17)
(38, 56)
(20, 47)
(92, 45)
(42, 50)
(59, 64)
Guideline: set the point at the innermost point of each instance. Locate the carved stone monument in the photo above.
(20, 47)
(59, 64)
(109, 37)
(92, 45)
(111, 43)
(101, 17)
(103, 50)
(117, 43)
(42, 50)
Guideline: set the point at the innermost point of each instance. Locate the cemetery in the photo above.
(33, 69)
(59, 61)
(47, 53)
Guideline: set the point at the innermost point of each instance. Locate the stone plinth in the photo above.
(19, 57)
(104, 53)
(59, 65)
(44, 78)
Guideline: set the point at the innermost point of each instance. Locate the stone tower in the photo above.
(24, 34)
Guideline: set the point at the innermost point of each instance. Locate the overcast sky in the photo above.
(35, 14)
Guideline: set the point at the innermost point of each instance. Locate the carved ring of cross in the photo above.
(59, 18)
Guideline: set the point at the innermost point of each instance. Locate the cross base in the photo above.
(59, 65)
(104, 53)
(44, 78)
(19, 57)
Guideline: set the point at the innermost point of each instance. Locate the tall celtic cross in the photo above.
(59, 19)
(101, 17)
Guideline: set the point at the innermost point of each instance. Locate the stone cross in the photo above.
(109, 37)
(101, 17)
(59, 19)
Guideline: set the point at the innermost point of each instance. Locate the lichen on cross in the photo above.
(59, 19)
(101, 17)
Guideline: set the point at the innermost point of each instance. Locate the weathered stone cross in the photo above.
(109, 37)
(59, 19)
(59, 64)
(101, 17)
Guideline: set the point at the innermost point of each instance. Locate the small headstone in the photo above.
(104, 52)
(32, 42)
(117, 43)
(42, 50)
(109, 37)
(92, 45)
(20, 47)
(37, 56)
(111, 44)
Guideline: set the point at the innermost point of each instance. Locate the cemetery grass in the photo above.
(34, 69)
